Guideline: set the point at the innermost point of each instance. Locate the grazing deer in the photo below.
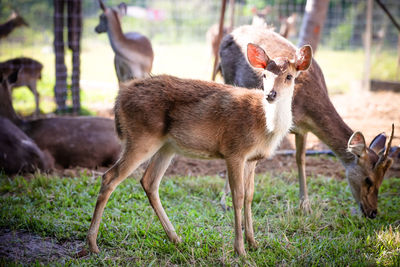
(29, 73)
(160, 116)
(312, 111)
(133, 51)
(18, 152)
(14, 21)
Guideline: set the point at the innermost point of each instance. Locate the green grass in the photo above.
(131, 234)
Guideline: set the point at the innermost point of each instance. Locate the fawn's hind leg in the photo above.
(151, 182)
(133, 155)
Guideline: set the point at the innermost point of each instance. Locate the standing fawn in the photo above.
(14, 21)
(160, 116)
(314, 112)
(29, 72)
(133, 51)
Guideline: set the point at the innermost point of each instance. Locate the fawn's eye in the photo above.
(264, 76)
(289, 77)
(368, 181)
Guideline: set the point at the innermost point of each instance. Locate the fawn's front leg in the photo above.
(248, 198)
(235, 175)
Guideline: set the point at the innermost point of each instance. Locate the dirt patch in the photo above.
(27, 248)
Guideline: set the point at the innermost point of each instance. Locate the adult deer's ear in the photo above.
(303, 58)
(123, 8)
(102, 6)
(378, 143)
(257, 56)
(356, 144)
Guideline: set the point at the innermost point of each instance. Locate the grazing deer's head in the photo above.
(279, 73)
(366, 174)
(110, 15)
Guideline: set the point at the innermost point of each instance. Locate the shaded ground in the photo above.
(370, 113)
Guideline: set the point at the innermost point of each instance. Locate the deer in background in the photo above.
(29, 72)
(288, 26)
(163, 115)
(75, 141)
(133, 51)
(312, 111)
(18, 152)
(14, 21)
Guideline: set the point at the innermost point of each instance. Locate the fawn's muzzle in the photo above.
(271, 96)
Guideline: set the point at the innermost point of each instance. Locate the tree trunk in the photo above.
(313, 22)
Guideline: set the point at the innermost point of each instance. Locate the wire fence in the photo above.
(182, 22)
(187, 21)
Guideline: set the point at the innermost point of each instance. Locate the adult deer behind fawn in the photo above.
(133, 51)
(160, 116)
(312, 111)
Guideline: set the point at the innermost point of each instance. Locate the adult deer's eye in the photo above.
(289, 77)
(368, 181)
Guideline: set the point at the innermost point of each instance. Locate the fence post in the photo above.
(368, 35)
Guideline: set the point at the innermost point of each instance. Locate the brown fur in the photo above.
(18, 152)
(312, 108)
(28, 75)
(72, 141)
(14, 21)
(76, 141)
(133, 51)
(160, 116)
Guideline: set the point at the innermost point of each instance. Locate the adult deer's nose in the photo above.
(373, 214)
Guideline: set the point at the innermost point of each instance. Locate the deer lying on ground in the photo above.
(29, 73)
(160, 116)
(18, 152)
(14, 21)
(71, 141)
(312, 111)
(88, 142)
(133, 51)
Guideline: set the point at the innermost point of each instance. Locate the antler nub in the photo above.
(389, 144)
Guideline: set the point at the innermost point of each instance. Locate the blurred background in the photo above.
(177, 30)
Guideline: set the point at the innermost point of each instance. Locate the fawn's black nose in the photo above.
(271, 96)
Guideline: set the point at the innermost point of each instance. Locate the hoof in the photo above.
(252, 244)
(240, 251)
(305, 206)
(82, 253)
(176, 240)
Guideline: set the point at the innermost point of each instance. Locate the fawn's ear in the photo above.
(356, 144)
(257, 56)
(303, 58)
